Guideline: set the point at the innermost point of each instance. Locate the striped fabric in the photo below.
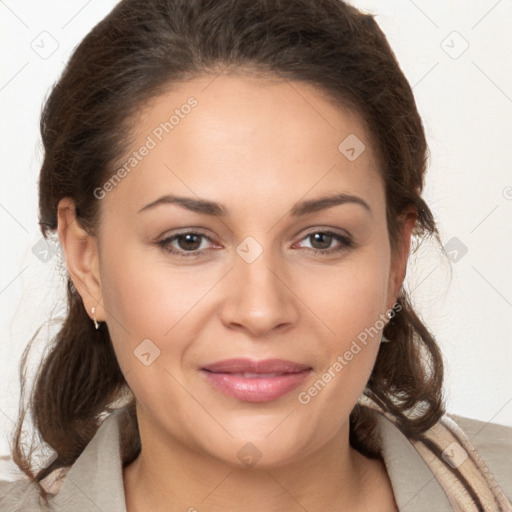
(447, 451)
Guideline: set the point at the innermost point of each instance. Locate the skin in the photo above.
(289, 303)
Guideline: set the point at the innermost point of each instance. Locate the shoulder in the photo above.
(493, 443)
(95, 479)
(458, 463)
(20, 496)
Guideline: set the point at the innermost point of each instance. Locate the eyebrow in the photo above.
(206, 207)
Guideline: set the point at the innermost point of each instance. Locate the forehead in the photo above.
(233, 136)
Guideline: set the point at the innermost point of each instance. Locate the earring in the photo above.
(383, 338)
(93, 311)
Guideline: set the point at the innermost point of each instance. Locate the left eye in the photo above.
(321, 241)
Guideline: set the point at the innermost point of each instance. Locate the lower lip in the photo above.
(256, 389)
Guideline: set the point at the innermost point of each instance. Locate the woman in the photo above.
(235, 185)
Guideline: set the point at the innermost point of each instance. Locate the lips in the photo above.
(256, 381)
(242, 365)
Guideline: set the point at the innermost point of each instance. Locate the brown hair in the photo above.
(135, 53)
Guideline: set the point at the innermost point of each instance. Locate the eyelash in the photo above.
(345, 241)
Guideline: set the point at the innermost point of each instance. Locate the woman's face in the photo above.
(266, 271)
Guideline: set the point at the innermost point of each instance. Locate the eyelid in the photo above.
(324, 229)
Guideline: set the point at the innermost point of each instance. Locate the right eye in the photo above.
(184, 244)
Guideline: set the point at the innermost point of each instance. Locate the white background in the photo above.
(465, 99)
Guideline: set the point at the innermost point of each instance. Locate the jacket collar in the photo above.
(415, 486)
(94, 483)
(87, 487)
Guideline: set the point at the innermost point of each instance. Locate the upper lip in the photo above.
(244, 365)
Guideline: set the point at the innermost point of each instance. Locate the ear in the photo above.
(80, 249)
(407, 222)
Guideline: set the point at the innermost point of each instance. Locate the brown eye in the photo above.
(184, 244)
(189, 241)
(321, 242)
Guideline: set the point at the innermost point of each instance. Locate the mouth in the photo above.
(256, 381)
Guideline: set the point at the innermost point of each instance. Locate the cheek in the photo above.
(350, 298)
(143, 293)
(135, 305)
(148, 300)
(351, 308)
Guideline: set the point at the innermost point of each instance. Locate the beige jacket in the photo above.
(421, 481)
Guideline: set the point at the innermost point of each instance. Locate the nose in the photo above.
(259, 298)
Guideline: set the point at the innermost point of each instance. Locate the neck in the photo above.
(169, 476)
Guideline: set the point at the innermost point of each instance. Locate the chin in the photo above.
(261, 453)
